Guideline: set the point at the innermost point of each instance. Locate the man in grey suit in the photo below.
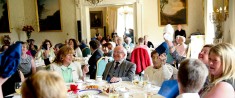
(119, 69)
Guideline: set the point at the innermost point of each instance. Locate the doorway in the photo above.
(114, 19)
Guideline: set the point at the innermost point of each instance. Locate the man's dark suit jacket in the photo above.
(127, 70)
(93, 61)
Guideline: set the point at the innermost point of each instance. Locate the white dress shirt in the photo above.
(188, 95)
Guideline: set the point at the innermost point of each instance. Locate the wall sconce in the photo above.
(218, 16)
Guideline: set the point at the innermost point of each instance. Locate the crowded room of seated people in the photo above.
(139, 49)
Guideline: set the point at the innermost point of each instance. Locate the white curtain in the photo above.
(209, 26)
(230, 24)
(125, 20)
(111, 19)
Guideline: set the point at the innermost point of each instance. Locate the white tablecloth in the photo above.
(135, 91)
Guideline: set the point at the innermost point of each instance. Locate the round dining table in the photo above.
(132, 90)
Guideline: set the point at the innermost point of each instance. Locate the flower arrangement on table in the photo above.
(28, 29)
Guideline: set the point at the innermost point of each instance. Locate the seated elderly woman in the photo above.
(181, 47)
(119, 41)
(222, 72)
(44, 84)
(63, 64)
(27, 65)
(128, 46)
(160, 71)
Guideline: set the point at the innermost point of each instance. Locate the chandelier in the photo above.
(94, 2)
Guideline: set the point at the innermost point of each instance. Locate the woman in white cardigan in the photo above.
(69, 70)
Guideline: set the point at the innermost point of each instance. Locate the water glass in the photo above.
(145, 80)
(136, 80)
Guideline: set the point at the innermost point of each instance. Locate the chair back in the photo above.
(100, 66)
(86, 51)
(141, 58)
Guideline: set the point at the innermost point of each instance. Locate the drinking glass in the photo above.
(145, 80)
(113, 93)
(136, 80)
(18, 87)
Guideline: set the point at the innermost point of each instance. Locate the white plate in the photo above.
(90, 92)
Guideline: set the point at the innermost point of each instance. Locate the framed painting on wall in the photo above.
(48, 15)
(96, 19)
(4, 17)
(172, 12)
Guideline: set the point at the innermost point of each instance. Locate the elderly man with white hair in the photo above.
(119, 69)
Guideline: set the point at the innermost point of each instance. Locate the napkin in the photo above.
(73, 88)
(169, 89)
(10, 59)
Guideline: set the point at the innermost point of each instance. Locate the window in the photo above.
(124, 20)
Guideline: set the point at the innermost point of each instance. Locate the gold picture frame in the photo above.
(96, 19)
(48, 13)
(4, 17)
(172, 12)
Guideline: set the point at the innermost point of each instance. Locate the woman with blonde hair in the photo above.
(222, 72)
(44, 84)
(69, 70)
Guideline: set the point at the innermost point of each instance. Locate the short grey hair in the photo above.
(123, 50)
(128, 39)
(192, 75)
(182, 37)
